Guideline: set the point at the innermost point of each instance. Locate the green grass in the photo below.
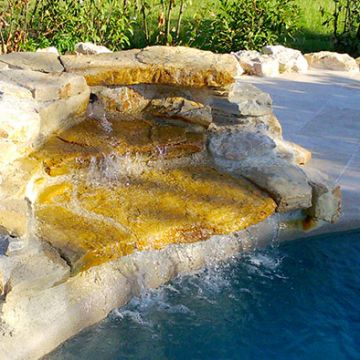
(313, 35)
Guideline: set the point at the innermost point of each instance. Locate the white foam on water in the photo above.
(113, 168)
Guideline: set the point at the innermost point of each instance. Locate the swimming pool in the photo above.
(297, 300)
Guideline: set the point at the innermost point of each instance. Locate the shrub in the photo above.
(247, 24)
(29, 25)
(345, 23)
(118, 24)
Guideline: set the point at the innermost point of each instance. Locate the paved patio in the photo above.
(321, 111)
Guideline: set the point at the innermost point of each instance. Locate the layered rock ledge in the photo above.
(122, 170)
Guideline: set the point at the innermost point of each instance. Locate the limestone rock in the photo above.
(15, 189)
(59, 115)
(290, 60)
(286, 182)
(239, 146)
(265, 124)
(179, 66)
(20, 122)
(326, 197)
(88, 48)
(243, 100)
(123, 100)
(181, 108)
(332, 61)
(53, 103)
(37, 61)
(250, 100)
(51, 49)
(36, 269)
(46, 87)
(3, 66)
(293, 152)
(358, 61)
(150, 211)
(258, 64)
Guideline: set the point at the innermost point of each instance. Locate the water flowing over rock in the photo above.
(332, 61)
(120, 171)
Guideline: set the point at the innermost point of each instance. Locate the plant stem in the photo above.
(178, 25)
(168, 22)
(146, 30)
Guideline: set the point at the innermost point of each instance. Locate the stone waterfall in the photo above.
(120, 171)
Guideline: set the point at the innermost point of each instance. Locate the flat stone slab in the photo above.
(179, 66)
(90, 223)
(37, 61)
(46, 87)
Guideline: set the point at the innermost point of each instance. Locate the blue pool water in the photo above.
(299, 300)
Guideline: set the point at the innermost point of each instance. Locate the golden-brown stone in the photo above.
(75, 147)
(91, 223)
(179, 66)
(84, 242)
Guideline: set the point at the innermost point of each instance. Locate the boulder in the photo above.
(51, 49)
(328, 60)
(239, 146)
(121, 100)
(258, 64)
(52, 103)
(181, 108)
(46, 87)
(37, 61)
(293, 152)
(16, 192)
(20, 122)
(254, 156)
(88, 48)
(285, 182)
(290, 60)
(36, 269)
(326, 197)
(243, 100)
(266, 124)
(59, 115)
(179, 66)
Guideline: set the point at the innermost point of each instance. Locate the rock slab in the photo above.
(177, 66)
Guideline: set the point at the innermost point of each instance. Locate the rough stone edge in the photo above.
(90, 296)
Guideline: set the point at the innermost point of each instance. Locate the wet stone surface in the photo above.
(93, 223)
(98, 201)
(93, 140)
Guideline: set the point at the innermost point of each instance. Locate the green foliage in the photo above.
(218, 25)
(29, 25)
(247, 24)
(345, 24)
